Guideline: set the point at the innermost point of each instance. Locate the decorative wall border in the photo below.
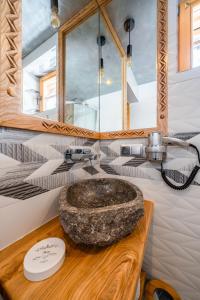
(69, 129)
(126, 134)
(10, 56)
(10, 77)
(162, 65)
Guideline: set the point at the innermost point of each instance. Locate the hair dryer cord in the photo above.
(190, 178)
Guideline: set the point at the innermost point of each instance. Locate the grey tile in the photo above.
(108, 152)
(15, 135)
(108, 169)
(91, 170)
(178, 176)
(54, 181)
(64, 167)
(20, 152)
(90, 143)
(60, 148)
(21, 190)
(20, 172)
(135, 162)
(185, 135)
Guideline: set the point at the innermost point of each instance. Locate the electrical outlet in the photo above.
(132, 150)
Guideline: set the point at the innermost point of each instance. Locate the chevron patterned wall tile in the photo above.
(15, 135)
(36, 179)
(21, 190)
(34, 162)
(20, 152)
(52, 181)
(63, 167)
(19, 172)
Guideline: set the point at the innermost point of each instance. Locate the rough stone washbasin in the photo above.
(100, 211)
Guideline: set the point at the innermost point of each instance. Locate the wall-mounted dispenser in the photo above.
(156, 151)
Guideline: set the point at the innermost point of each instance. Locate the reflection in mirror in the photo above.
(111, 101)
(81, 75)
(39, 84)
(161, 294)
(98, 89)
(40, 22)
(38, 61)
(141, 73)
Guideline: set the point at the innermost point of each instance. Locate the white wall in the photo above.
(25, 216)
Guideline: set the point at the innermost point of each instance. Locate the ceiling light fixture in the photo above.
(55, 21)
(101, 41)
(129, 24)
(108, 81)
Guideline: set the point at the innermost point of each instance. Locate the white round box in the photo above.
(44, 259)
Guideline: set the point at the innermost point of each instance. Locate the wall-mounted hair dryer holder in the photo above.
(157, 151)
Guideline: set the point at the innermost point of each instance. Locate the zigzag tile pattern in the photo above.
(20, 152)
(173, 249)
(64, 167)
(111, 157)
(91, 170)
(108, 169)
(178, 176)
(21, 190)
(135, 162)
(19, 172)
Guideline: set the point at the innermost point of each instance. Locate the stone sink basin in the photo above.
(100, 211)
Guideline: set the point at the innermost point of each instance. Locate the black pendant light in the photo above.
(129, 24)
(55, 21)
(101, 40)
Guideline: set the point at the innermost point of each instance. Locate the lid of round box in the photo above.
(44, 259)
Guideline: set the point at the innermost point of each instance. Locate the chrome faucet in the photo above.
(79, 154)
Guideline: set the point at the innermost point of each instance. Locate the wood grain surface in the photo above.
(109, 273)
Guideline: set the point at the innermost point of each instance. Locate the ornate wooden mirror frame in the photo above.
(11, 66)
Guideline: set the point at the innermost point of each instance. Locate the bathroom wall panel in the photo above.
(32, 171)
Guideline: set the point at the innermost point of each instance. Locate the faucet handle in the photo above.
(79, 154)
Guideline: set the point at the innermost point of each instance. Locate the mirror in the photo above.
(81, 90)
(110, 83)
(105, 112)
(39, 61)
(141, 76)
(94, 76)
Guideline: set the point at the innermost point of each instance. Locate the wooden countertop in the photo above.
(111, 273)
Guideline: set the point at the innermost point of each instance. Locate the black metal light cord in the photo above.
(190, 178)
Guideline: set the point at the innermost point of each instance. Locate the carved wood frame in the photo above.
(10, 74)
